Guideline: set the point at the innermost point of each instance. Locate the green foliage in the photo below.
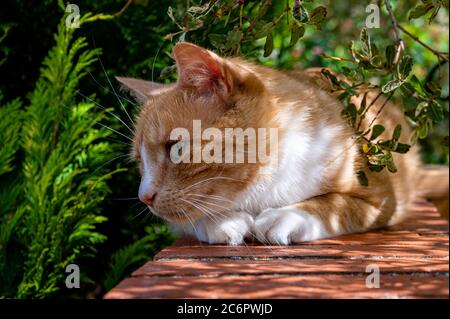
(141, 250)
(427, 6)
(10, 125)
(374, 63)
(57, 166)
(54, 190)
(232, 27)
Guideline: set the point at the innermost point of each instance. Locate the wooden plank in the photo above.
(412, 258)
(304, 251)
(315, 286)
(400, 238)
(423, 235)
(215, 268)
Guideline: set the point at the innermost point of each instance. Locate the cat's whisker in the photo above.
(126, 198)
(112, 87)
(211, 211)
(204, 203)
(109, 91)
(104, 108)
(151, 213)
(115, 131)
(216, 197)
(154, 62)
(215, 211)
(210, 179)
(204, 210)
(191, 222)
(119, 142)
(105, 126)
(140, 213)
(208, 203)
(107, 162)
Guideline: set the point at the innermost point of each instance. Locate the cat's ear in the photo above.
(202, 70)
(142, 90)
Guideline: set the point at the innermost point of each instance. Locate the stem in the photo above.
(240, 15)
(400, 43)
(262, 10)
(381, 108)
(336, 58)
(366, 110)
(123, 9)
(441, 55)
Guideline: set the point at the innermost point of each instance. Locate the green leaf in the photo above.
(167, 71)
(365, 42)
(355, 54)
(362, 107)
(217, 40)
(407, 90)
(391, 166)
(268, 47)
(170, 14)
(377, 130)
(433, 88)
(423, 132)
(420, 107)
(417, 85)
(402, 148)
(391, 86)
(299, 13)
(198, 10)
(234, 38)
(318, 15)
(397, 132)
(419, 11)
(262, 29)
(297, 31)
(405, 66)
(390, 55)
(376, 168)
(334, 80)
(436, 112)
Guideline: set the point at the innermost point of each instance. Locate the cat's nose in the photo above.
(147, 198)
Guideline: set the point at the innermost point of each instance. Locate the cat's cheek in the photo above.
(287, 225)
(232, 231)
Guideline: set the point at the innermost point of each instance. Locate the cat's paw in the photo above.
(232, 231)
(286, 225)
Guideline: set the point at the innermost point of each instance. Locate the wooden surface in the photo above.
(412, 258)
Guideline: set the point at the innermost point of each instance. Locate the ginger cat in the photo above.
(311, 192)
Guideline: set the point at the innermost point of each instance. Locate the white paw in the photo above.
(286, 225)
(232, 231)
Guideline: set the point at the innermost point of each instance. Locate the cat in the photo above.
(312, 191)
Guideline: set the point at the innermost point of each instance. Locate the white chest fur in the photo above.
(304, 155)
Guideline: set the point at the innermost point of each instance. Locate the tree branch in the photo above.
(381, 109)
(441, 55)
(400, 43)
(123, 9)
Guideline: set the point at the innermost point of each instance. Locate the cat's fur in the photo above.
(312, 192)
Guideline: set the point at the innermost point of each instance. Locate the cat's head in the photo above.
(220, 93)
